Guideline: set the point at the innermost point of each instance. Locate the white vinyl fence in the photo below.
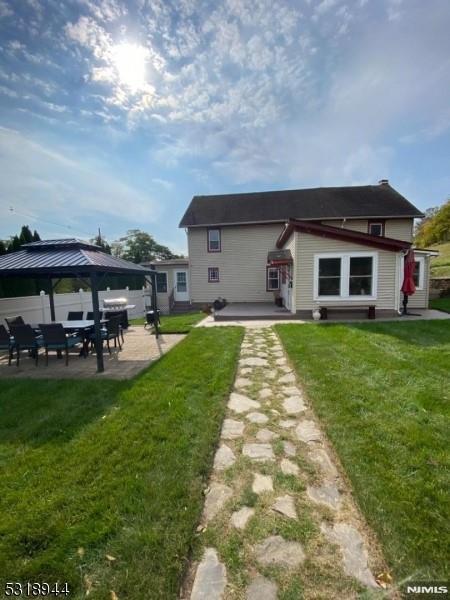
(36, 309)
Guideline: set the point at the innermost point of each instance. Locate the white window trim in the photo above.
(381, 224)
(421, 261)
(345, 276)
(167, 282)
(269, 289)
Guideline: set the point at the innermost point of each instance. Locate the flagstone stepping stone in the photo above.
(320, 457)
(307, 432)
(262, 354)
(293, 405)
(275, 550)
(259, 452)
(257, 417)
(240, 517)
(241, 404)
(224, 458)
(285, 506)
(253, 361)
(288, 467)
(262, 589)
(262, 483)
(288, 378)
(291, 391)
(242, 382)
(353, 551)
(265, 435)
(287, 423)
(265, 393)
(270, 374)
(215, 499)
(327, 494)
(210, 579)
(281, 361)
(246, 371)
(232, 429)
(289, 448)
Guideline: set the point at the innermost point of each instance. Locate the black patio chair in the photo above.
(55, 338)
(110, 332)
(6, 342)
(14, 321)
(26, 339)
(75, 315)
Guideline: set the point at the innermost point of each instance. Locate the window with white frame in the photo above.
(376, 228)
(419, 272)
(213, 274)
(214, 242)
(273, 279)
(345, 276)
(161, 283)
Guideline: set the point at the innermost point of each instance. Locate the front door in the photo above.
(286, 285)
(181, 292)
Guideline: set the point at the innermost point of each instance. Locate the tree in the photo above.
(434, 228)
(25, 237)
(36, 236)
(2, 247)
(138, 246)
(100, 241)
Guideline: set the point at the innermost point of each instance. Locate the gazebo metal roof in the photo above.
(71, 257)
(64, 258)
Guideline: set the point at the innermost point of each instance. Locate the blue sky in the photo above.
(115, 113)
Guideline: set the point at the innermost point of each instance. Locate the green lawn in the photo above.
(96, 469)
(176, 323)
(382, 392)
(440, 266)
(441, 304)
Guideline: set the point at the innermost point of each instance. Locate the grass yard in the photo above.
(441, 304)
(102, 481)
(176, 323)
(440, 266)
(382, 393)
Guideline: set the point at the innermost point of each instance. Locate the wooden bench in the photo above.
(369, 308)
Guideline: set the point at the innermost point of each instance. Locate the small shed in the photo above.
(63, 258)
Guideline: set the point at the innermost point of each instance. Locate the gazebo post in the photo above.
(52, 301)
(97, 324)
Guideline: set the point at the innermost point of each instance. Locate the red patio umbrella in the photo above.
(408, 286)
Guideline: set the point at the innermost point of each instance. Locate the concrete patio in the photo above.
(140, 349)
(253, 310)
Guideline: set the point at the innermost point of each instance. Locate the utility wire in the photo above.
(30, 216)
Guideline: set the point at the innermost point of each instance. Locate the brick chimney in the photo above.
(383, 182)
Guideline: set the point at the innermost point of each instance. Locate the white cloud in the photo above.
(79, 188)
(5, 9)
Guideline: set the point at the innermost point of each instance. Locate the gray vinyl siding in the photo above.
(399, 229)
(308, 245)
(241, 263)
(420, 298)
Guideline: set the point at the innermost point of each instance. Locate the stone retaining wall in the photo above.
(439, 287)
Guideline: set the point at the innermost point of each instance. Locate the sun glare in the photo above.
(130, 62)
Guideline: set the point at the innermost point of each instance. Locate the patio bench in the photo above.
(369, 308)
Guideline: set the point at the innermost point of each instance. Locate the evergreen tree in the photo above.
(25, 236)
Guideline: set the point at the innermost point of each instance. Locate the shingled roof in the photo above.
(368, 201)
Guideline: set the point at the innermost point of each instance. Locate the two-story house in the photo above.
(340, 246)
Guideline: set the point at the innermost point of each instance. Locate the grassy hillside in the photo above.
(440, 266)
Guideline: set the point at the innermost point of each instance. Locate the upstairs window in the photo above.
(161, 283)
(376, 228)
(214, 241)
(273, 279)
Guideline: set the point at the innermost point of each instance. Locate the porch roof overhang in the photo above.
(276, 258)
(338, 233)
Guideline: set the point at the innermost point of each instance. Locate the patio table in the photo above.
(83, 325)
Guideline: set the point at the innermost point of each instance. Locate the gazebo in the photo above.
(64, 258)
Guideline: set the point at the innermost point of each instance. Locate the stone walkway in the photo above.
(278, 521)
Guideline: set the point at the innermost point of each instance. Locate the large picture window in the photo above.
(161, 283)
(345, 276)
(329, 276)
(273, 279)
(214, 241)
